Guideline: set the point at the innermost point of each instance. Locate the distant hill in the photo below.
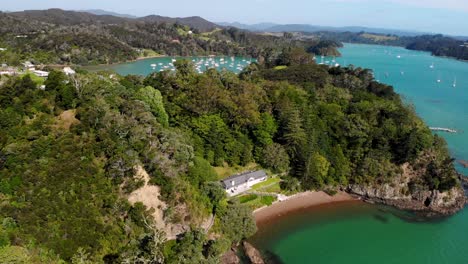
(251, 27)
(272, 27)
(69, 18)
(195, 21)
(101, 12)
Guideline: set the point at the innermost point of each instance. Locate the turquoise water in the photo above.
(362, 233)
(148, 66)
(438, 103)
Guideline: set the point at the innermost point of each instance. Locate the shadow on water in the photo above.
(382, 218)
(406, 216)
(268, 257)
(271, 258)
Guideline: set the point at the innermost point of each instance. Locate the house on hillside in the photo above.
(239, 183)
(68, 71)
(28, 66)
(8, 70)
(40, 73)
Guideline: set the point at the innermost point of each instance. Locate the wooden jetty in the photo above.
(443, 129)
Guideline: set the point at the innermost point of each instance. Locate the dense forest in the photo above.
(438, 45)
(69, 154)
(66, 37)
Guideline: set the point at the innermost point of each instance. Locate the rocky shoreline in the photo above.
(431, 204)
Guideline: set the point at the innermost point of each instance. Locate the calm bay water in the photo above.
(148, 66)
(362, 233)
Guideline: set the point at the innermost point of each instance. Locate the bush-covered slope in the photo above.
(68, 154)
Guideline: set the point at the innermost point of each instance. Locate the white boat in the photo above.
(321, 62)
(153, 65)
(399, 57)
(431, 66)
(454, 83)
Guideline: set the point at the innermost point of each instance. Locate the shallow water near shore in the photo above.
(351, 232)
(364, 233)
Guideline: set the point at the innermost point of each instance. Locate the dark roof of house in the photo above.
(243, 178)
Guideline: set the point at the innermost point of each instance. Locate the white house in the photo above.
(242, 182)
(8, 71)
(41, 73)
(29, 66)
(68, 71)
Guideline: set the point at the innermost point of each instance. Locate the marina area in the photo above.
(160, 64)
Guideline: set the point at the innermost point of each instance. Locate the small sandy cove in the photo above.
(297, 202)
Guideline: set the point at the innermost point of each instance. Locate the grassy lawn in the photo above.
(268, 182)
(204, 38)
(36, 79)
(281, 67)
(149, 53)
(247, 198)
(256, 201)
(211, 32)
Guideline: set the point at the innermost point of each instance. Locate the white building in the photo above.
(8, 71)
(41, 73)
(242, 182)
(3, 49)
(68, 71)
(29, 66)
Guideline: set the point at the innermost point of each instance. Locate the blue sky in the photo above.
(447, 16)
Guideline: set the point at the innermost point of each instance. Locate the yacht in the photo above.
(454, 83)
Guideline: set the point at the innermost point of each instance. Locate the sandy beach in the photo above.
(298, 202)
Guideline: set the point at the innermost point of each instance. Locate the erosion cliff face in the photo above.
(401, 192)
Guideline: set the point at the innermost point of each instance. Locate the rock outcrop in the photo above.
(464, 163)
(252, 253)
(230, 257)
(399, 193)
